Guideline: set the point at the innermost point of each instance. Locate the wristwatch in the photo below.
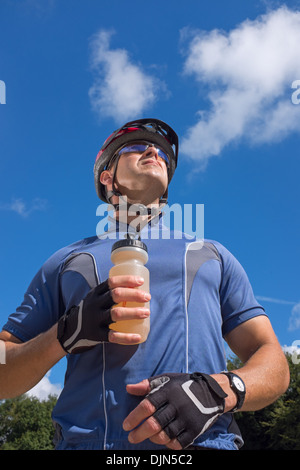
(239, 388)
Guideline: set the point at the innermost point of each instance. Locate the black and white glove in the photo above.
(84, 326)
(186, 404)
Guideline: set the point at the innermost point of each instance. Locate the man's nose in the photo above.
(151, 151)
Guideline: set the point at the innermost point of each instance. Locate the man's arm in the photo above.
(265, 373)
(265, 370)
(27, 363)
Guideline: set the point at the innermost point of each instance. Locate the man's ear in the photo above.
(106, 177)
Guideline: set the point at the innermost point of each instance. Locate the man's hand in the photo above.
(177, 409)
(84, 326)
(150, 428)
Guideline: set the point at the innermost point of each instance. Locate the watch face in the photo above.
(238, 383)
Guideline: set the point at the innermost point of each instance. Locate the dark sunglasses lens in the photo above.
(140, 148)
(163, 156)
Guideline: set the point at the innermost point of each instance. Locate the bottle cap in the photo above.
(129, 242)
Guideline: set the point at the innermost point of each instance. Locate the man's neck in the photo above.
(138, 220)
(135, 214)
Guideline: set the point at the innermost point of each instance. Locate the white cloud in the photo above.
(45, 388)
(23, 208)
(293, 351)
(121, 90)
(248, 73)
(275, 301)
(290, 349)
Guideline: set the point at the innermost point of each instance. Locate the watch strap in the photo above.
(240, 392)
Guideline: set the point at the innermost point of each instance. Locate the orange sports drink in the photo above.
(129, 256)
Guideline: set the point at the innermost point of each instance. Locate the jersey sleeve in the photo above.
(42, 304)
(238, 303)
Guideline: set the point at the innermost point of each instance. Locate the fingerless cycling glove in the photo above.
(186, 404)
(84, 326)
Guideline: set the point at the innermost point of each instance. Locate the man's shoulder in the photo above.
(59, 257)
(206, 243)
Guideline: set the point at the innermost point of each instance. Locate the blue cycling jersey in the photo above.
(199, 293)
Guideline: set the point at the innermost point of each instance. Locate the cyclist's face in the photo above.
(142, 174)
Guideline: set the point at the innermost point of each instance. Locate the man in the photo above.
(172, 390)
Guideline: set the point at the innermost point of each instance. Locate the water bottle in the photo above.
(129, 256)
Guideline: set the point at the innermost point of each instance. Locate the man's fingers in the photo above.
(123, 338)
(139, 414)
(140, 422)
(127, 294)
(124, 288)
(125, 291)
(119, 313)
(125, 281)
(140, 389)
(162, 438)
(149, 428)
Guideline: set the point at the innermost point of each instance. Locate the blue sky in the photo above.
(220, 73)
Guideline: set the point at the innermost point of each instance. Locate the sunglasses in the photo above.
(141, 147)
